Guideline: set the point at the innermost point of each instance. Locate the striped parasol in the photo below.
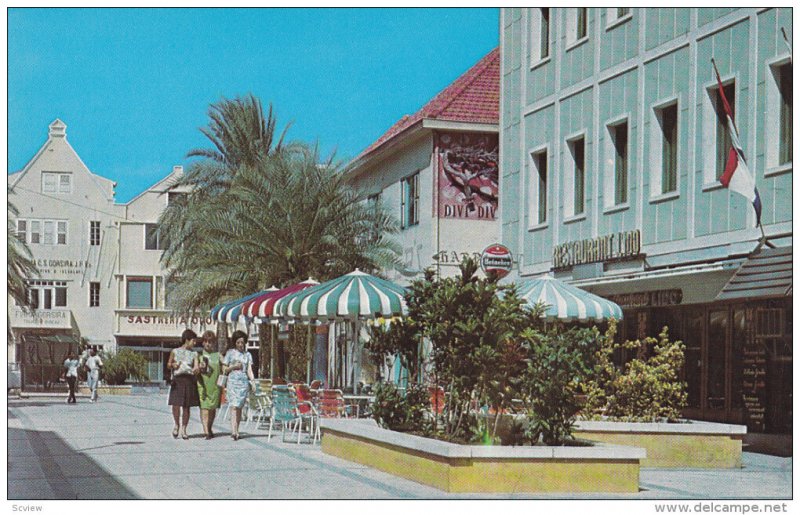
(352, 296)
(262, 307)
(230, 311)
(566, 302)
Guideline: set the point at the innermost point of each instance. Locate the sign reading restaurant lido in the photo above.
(603, 248)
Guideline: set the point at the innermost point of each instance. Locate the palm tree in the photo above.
(21, 266)
(281, 221)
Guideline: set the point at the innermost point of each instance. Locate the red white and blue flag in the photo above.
(737, 176)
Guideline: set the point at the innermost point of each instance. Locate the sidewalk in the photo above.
(121, 448)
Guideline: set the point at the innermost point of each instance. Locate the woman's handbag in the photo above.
(222, 380)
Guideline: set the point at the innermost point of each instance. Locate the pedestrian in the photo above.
(183, 392)
(71, 365)
(210, 364)
(239, 367)
(93, 365)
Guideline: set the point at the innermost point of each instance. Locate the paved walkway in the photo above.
(121, 448)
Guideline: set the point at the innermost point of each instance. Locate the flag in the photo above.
(737, 176)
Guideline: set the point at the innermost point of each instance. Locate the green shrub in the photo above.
(117, 368)
(393, 410)
(558, 362)
(647, 389)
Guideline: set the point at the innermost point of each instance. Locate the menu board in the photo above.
(754, 372)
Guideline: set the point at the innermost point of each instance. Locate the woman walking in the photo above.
(183, 393)
(210, 365)
(239, 367)
(71, 365)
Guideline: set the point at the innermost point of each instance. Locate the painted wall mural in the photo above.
(467, 175)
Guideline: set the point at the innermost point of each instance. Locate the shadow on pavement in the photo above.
(68, 474)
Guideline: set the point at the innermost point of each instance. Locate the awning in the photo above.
(263, 305)
(566, 302)
(229, 311)
(351, 296)
(765, 274)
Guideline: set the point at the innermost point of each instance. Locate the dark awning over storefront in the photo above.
(765, 274)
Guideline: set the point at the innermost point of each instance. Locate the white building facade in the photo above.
(101, 281)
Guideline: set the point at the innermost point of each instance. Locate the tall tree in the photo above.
(280, 221)
(21, 266)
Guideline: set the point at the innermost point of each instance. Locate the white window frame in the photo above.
(92, 225)
(139, 278)
(37, 233)
(405, 200)
(22, 234)
(773, 119)
(158, 237)
(536, 37)
(657, 148)
(572, 28)
(59, 232)
(610, 168)
(709, 161)
(92, 286)
(568, 177)
(40, 286)
(612, 20)
(534, 193)
(56, 187)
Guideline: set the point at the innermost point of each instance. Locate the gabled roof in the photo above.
(474, 97)
(765, 274)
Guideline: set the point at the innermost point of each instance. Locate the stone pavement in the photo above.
(121, 448)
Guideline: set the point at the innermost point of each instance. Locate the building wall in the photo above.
(625, 70)
(448, 238)
(77, 263)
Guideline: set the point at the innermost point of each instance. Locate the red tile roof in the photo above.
(473, 97)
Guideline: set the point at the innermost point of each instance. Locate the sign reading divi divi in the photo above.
(604, 248)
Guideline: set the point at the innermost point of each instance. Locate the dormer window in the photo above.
(53, 182)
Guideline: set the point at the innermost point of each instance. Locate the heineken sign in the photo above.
(612, 247)
(496, 258)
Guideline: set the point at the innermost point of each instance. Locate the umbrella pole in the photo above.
(308, 354)
(356, 357)
(271, 352)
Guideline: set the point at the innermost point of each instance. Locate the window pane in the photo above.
(151, 237)
(94, 232)
(723, 135)
(621, 163)
(62, 233)
(694, 358)
(48, 298)
(541, 165)
(785, 152)
(64, 183)
(36, 231)
(717, 338)
(579, 175)
(623, 11)
(669, 149)
(22, 230)
(49, 236)
(61, 297)
(544, 34)
(738, 337)
(33, 296)
(94, 294)
(48, 183)
(140, 293)
(581, 25)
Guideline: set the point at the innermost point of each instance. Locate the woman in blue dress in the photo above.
(239, 367)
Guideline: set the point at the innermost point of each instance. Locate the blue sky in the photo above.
(134, 85)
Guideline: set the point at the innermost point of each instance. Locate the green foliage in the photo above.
(401, 338)
(557, 363)
(647, 389)
(21, 266)
(124, 364)
(261, 213)
(398, 412)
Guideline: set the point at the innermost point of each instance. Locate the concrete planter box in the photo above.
(484, 469)
(124, 389)
(694, 444)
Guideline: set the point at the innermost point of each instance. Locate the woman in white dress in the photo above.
(239, 367)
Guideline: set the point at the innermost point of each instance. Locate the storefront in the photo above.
(737, 334)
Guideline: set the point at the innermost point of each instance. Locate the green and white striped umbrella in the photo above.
(352, 296)
(566, 302)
